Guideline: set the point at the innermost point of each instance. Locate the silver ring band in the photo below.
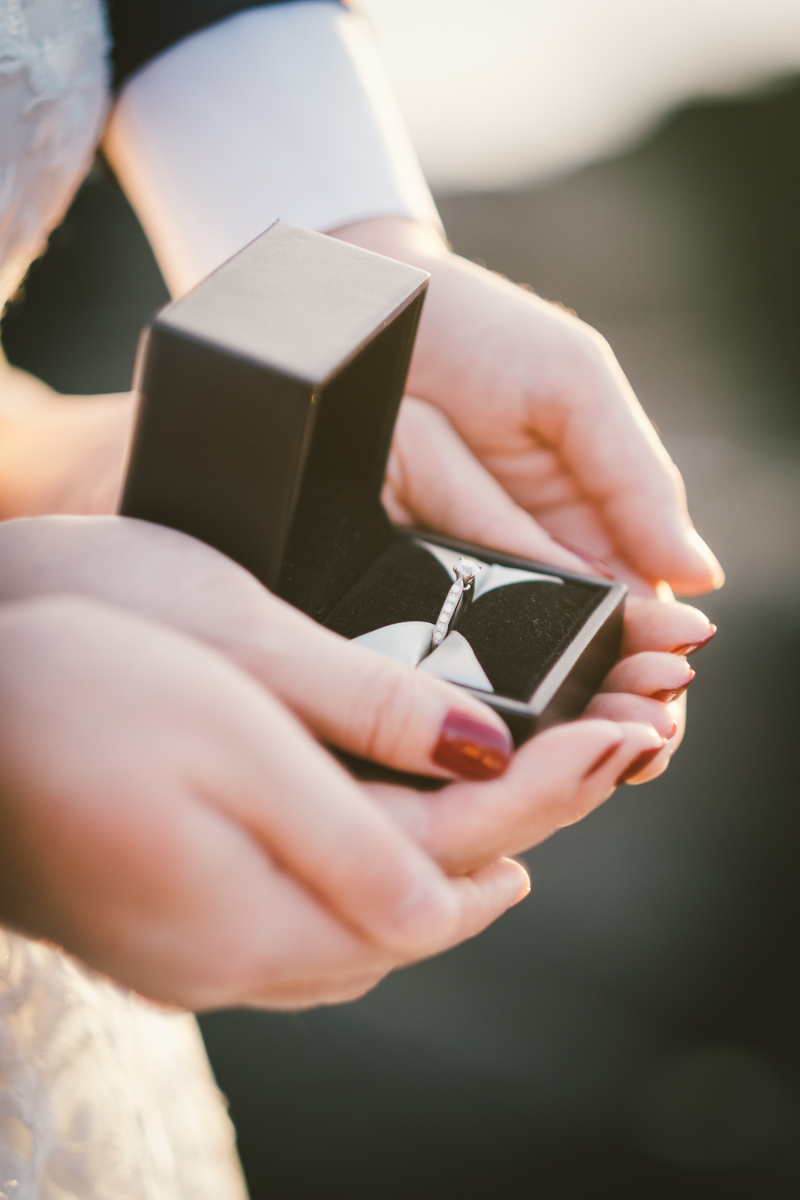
(464, 571)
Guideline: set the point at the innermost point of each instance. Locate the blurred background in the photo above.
(632, 1027)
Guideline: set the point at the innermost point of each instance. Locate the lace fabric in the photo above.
(54, 96)
(103, 1096)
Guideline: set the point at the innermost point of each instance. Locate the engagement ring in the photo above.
(464, 571)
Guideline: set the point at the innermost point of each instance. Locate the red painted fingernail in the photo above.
(471, 748)
(603, 759)
(595, 563)
(671, 735)
(693, 647)
(667, 695)
(638, 764)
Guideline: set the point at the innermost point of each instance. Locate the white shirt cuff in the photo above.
(280, 112)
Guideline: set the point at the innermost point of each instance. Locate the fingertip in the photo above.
(646, 767)
(523, 881)
(708, 576)
(504, 883)
(644, 744)
(664, 593)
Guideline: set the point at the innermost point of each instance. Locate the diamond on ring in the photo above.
(464, 571)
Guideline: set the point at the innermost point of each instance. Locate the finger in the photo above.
(672, 628)
(243, 753)
(330, 836)
(624, 706)
(434, 480)
(484, 896)
(649, 767)
(349, 695)
(623, 467)
(660, 676)
(635, 762)
(678, 712)
(486, 893)
(262, 934)
(543, 790)
(297, 997)
(376, 708)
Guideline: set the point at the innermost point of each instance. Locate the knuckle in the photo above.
(382, 711)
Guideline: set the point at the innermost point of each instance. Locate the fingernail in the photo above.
(671, 735)
(667, 695)
(638, 764)
(472, 749)
(595, 563)
(603, 759)
(693, 647)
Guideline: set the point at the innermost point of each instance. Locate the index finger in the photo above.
(622, 465)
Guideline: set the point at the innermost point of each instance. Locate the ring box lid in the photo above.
(272, 389)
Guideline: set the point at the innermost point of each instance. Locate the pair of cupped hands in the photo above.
(169, 812)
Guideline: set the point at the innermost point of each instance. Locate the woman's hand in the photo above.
(539, 398)
(165, 819)
(434, 481)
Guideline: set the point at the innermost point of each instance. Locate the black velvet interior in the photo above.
(405, 584)
(337, 532)
(339, 526)
(517, 631)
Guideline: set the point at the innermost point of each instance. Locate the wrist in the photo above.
(403, 238)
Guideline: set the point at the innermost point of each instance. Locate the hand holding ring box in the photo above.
(267, 399)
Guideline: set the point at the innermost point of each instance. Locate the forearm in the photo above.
(281, 112)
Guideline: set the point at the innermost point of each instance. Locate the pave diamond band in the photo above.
(464, 571)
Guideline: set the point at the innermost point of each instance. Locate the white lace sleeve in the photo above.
(53, 100)
(283, 112)
(102, 1096)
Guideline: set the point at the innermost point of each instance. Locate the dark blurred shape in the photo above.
(142, 29)
(715, 1106)
(632, 1027)
(76, 320)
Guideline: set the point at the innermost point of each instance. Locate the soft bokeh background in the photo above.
(515, 90)
(632, 1027)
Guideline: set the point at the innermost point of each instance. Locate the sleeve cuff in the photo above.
(279, 112)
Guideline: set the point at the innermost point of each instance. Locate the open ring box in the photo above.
(267, 399)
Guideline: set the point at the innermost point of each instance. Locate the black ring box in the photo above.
(267, 399)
